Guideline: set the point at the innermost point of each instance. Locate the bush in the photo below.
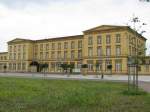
(84, 66)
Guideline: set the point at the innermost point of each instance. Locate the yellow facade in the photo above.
(104, 45)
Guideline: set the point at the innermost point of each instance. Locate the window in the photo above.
(90, 51)
(10, 66)
(80, 44)
(118, 50)
(59, 54)
(90, 65)
(80, 54)
(108, 51)
(19, 56)
(65, 54)
(72, 45)
(47, 47)
(79, 65)
(14, 66)
(14, 56)
(90, 40)
(41, 47)
(108, 39)
(35, 48)
(99, 39)
(10, 48)
(118, 38)
(108, 62)
(118, 66)
(24, 55)
(52, 54)
(19, 48)
(24, 48)
(130, 50)
(53, 46)
(99, 51)
(66, 45)
(100, 63)
(10, 56)
(41, 55)
(19, 66)
(14, 48)
(36, 55)
(147, 68)
(59, 46)
(23, 66)
(5, 57)
(47, 55)
(72, 54)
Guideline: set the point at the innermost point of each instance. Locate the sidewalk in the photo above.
(144, 81)
(62, 76)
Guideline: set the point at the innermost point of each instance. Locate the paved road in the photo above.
(144, 80)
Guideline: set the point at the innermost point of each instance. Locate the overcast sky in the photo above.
(40, 19)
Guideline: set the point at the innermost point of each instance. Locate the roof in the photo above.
(3, 52)
(112, 27)
(19, 40)
(61, 38)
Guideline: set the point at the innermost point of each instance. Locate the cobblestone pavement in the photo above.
(144, 81)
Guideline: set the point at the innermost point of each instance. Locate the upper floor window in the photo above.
(24, 48)
(108, 39)
(80, 44)
(118, 37)
(90, 40)
(90, 51)
(19, 48)
(118, 50)
(59, 54)
(47, 46)
(59, 46)
(72, 45)
(66, 45)
(99, 39)
(52, 54)
(108, 51)
(10, 48)
(72, 54)
(47, 55)
(15, 48)
(41, 47)
(79, 53)
(65, 54)
(118, 65)
(53, 46)
(99, 51)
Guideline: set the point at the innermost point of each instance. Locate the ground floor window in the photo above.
(23, 66)
(99, 64)
(90, 65)
(118, 66)
(147, 68)
(107, 63)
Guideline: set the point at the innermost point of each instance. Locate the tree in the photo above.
(35, 63)
(71, 66)
(84, 69)
(64, 67)
(137, 25)
(97, 68)
(5, 67)
(44, 66)
(109, 67)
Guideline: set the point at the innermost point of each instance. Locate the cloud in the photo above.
(35, 19)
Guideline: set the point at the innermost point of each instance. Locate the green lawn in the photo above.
(37, 95)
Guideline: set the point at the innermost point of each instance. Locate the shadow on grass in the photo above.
(134, 92)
